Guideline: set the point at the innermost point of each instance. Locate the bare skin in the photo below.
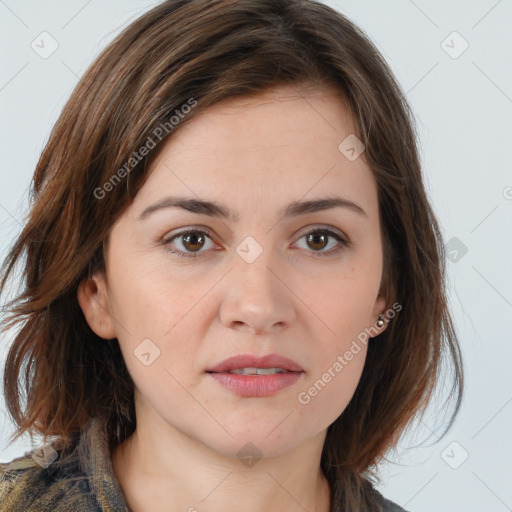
(300, 298)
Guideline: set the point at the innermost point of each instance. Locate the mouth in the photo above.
(250, 365)
(251, 376)
(257, 371)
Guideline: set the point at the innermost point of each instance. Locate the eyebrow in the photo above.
(214, 209)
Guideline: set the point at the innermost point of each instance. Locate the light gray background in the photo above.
(464, 110)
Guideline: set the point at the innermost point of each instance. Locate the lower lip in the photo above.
(256, 385)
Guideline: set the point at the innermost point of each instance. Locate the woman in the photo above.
(234, 278)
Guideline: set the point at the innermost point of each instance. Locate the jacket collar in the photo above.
(95, 461)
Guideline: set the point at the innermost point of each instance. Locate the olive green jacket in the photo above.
(79, 480)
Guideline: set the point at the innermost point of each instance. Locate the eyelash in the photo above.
(343, 243)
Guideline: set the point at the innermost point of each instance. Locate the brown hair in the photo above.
(211, 50)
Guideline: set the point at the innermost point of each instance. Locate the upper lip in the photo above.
(250, 361)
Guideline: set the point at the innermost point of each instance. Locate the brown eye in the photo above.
(318, 239)
(191, 241)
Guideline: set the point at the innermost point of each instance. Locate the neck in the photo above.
(180, 473)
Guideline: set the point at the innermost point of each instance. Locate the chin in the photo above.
(248, 449)
(264, 438)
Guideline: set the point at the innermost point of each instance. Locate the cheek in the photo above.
(329, 389)
(148, 303)
(342, 306)
(162, 372)
(156, 328)
(342, 311)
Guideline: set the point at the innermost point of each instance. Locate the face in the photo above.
(185, 290)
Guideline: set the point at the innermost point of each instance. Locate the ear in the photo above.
(378, 309)
(93, 298)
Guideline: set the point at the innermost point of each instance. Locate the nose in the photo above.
(258, 300)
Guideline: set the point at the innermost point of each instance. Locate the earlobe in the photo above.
(379, 320)
(93, 299)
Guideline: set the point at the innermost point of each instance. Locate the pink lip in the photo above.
(249, 361)
(256, 385)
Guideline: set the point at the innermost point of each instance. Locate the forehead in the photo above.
(282, 141)
(288, 111)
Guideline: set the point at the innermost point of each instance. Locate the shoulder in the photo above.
(27, 485)
(387, 505)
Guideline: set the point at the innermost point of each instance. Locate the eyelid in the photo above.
(343, 241)
(332, 232)
(166, 239)
(311, 228)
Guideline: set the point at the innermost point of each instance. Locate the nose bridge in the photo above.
(256, 295)
(256, 266)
